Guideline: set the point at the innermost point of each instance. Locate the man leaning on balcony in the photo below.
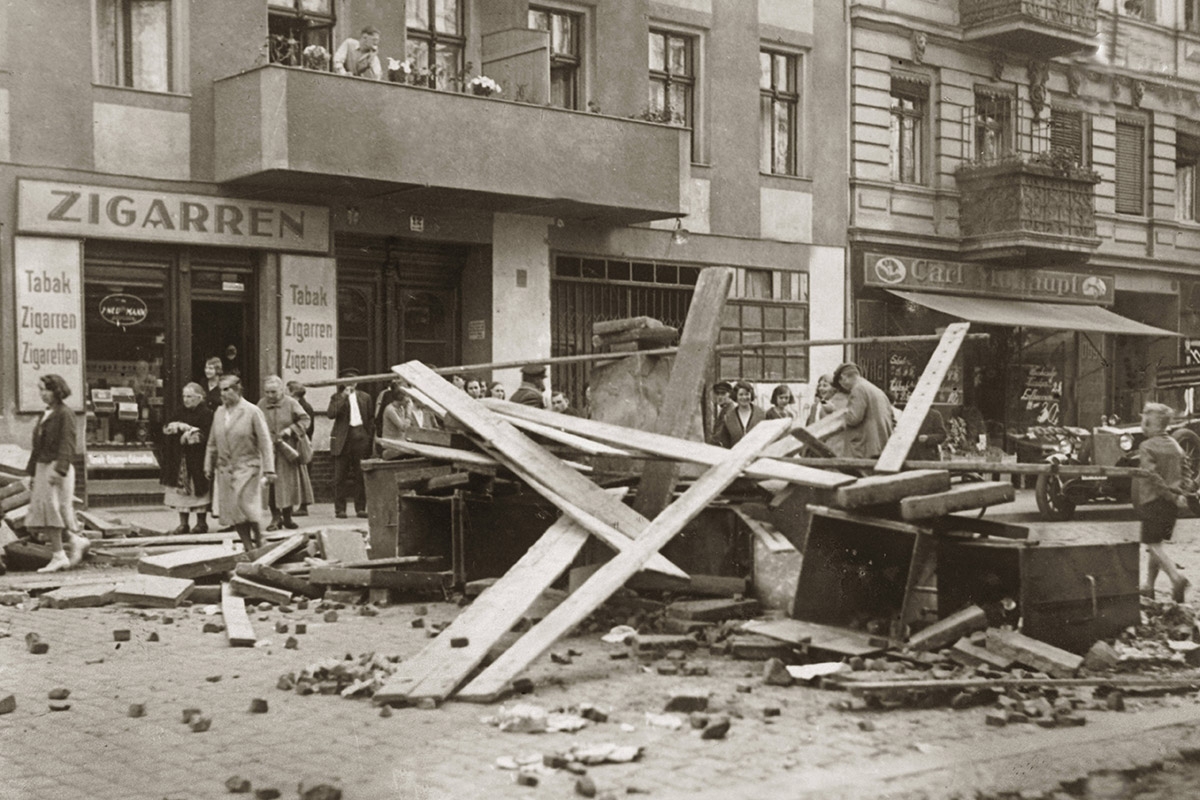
(360, 57)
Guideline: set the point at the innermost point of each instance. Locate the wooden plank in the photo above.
(1032, 653)
(970, 655)
(824, 427)
(494, 680)
(108, 528)
(282, 550)
(439, 453)
(604, 516)
(13, 488)
(610, 326)
(975, 525)
(713, 610)
(580, 443)
(921, 399)
(85, 596)
(194, 562)
(380, 578)
(877, 489)
(259, 591)
(237, 622)
(185, 540)
(648, 337)
(767, 534)
(694, 584)
(342, 545)
(156, 591)
(951, 629)
(685, 386)
(394, 561)
(261, 573)
(960, 497)
(861, 683)
(15, 501)
(821, 637)
(669, 446)
(439, 669)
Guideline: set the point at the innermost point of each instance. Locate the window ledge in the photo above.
(784, 180)
(124, 95)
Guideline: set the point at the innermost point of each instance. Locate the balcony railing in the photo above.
(1021, 197)
(1043, 28)
(295, 130)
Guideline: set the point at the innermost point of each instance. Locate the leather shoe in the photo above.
(289, 525)
(179, 530)
(200, 527)
(274, 526)
(300, 512)
(1178, 590)
(362, 514)
(340, 514)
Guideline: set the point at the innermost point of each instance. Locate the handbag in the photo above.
(304, 450)
(289, 453)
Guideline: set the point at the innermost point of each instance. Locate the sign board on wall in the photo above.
(308, 323)
(86, 211)
(960, 277)
(49, 315)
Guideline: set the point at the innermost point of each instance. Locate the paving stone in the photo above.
(319, 790)
(775, 673)
(59, 694)
(687, 701)
(267, 793)
(8, 704)
(136, 710)
(585, 786)
(237, 785)
(122, 635)
(301, 628)
(717, 728)
(258, 706)
(60, 706)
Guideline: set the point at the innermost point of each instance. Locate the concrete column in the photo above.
(827, 308)
(732, 73)
(520, 292)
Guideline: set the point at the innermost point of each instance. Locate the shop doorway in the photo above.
(219, 329)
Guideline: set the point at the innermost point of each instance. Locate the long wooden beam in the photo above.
(661, 351)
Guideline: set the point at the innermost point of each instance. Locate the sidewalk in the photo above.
(809, 749)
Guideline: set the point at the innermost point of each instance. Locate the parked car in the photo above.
(1106, 446)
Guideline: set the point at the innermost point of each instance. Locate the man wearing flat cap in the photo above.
(353, 418)
(722, 398)
(868, 421)
(533, 386)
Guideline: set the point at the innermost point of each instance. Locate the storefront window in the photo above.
(125, 344)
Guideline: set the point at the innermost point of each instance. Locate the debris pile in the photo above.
(348, 677)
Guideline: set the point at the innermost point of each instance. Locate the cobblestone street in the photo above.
(95, 750)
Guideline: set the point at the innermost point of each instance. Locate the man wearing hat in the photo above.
(353, 420)
(533, 386)
(868, 420)
(722, 397)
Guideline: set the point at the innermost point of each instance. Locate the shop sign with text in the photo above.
(49, 317)
(308, 323)
(104, 212)
(958, 277)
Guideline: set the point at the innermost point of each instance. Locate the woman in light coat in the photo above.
(287, 421)
(240, 458)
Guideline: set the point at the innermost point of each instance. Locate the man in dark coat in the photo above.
(533, 386)
(353, 418)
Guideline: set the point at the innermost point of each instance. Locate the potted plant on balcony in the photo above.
(483, 86)
(315, 57)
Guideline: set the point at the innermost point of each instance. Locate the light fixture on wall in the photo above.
(352, 215)
(680, 234)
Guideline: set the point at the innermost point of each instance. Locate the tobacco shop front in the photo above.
(127, 293)
(1052, 356)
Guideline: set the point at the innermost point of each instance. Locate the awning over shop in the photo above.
(1028, 314)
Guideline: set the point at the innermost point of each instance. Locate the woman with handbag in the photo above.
(186, 489)
(287, 422)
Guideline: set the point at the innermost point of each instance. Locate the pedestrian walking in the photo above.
(1155, 497)
(740, 418)
(868, 420)
(297, 390)
(287, 422)
(51, 511)
(351, 441)
(185, 440)
(239, 459)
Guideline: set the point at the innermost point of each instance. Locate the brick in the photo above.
(301, 628)
(267, 793)
(526, 779)
(59, 694)
(122, 635)
(1033, 653)
(319, 790)
(60, 706)
(200, 724)
(292, 643)
(258, 706)
(190, 714)
(775, 673)
(688, 701)
(952, 628)
(717, 728)
(8, 704)
(136, 710)
(237, 785)
(585, 786)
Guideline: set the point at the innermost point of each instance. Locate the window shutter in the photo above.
(1066, 132)
(1131, 168)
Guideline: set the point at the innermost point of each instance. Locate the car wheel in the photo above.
(1190, 442)
(1051, 501)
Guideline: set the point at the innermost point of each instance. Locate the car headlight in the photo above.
(1126, 442)
(1065, 447)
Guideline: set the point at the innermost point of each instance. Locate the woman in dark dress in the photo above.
(187, 490)
(213, 368)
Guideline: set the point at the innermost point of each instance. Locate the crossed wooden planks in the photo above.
(439, 669)
(494, 680)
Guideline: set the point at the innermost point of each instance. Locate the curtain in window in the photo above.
(149, 49)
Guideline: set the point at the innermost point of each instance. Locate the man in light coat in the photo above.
(240, 458)
(868, 413)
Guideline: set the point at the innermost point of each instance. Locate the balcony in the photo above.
(1040, 28)
(1029, 212)
(289, 130)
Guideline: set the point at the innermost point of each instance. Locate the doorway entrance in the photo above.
(219, 329)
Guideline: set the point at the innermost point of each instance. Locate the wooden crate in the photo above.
(1067, 595)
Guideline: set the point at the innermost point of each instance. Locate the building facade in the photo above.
(1029, 165)
(197, 180)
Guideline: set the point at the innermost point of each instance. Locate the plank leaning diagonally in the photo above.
(439, 669)
(607, 517)
(494, 680)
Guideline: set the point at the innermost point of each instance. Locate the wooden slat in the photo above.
(801, 434)
(17, 500)
(439, 453)
(194, 562)
(619, 522)
(821, 637)
(961, 497)
(921, 399)
(259, 591)
(439, 669)
(393, 561)
(282, 550)
(153, 590)
(876, 489)
(685, 386)
(579, 443)
(379, 578)
(494, 680)
(237, 623)
(670, 446)
(261, 573)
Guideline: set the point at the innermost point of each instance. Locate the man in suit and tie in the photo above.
(353, 420)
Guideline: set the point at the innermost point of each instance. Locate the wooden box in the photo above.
(1067, 595)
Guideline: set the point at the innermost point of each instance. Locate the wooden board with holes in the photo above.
(922, 397)
(494, 680)
(604, 516)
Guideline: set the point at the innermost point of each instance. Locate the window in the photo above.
(1191, 15)
(993, 125)
(779, 107)
(765, 305)
(673, 81)
(1187, 154)
(134, 43)
(565, 60)
(1131, 166)
(1071, 134)
(293, 25)
(435, 41)
(906, 145)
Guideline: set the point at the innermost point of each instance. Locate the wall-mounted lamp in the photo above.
(680, 234)
(352, 215)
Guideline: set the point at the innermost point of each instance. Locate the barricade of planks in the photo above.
(501, 432)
